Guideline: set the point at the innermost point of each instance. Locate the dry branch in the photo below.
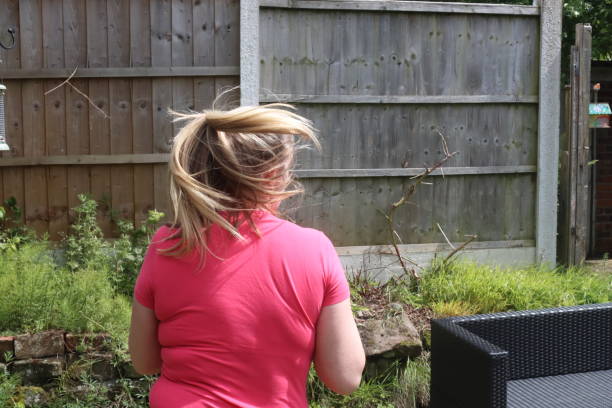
(389, 216)
(460, 247)
(77, 90)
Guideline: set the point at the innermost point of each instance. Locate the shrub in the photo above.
(129, 250)
(37, 295)
(469, 288)
(13, 234)
(85, 245)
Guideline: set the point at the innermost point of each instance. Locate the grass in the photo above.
(87, 293)
(469, 288)
(402, 386)
(37, 294)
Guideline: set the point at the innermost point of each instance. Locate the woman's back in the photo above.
(240, 330)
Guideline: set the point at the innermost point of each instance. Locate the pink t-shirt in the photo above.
(240, 331)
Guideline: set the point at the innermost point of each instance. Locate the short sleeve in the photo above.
(144, 288)
(336, 285)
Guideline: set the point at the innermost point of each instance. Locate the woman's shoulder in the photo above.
(298, 233)
(164, 234)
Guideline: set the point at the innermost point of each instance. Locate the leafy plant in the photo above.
(38, 294)
(8, 389)
(85, 245)
(13, 233)
(129, 250)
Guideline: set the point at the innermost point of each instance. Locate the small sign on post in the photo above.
(599, 115)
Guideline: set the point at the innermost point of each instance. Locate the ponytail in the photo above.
(235, 162)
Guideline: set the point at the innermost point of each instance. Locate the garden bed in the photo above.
(88, 290)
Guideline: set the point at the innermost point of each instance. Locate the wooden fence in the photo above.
(379, 79)
(135, 59)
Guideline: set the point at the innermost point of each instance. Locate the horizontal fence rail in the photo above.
(410, 6)
(121, 72)
(161, 158)
(400, 99)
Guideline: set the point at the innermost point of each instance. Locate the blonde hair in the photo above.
(234, 161)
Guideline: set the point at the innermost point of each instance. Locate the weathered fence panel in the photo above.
(380, 79)
(135, 59)
(383, 79)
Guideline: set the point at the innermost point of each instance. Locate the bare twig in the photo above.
(67, 80)
(418, 179)
(445, 237)
(460, 247)
(92, 103)
(77, 90)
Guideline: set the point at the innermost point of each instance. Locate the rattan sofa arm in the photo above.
(552, 341)
(466, 370)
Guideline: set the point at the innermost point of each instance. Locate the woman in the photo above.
(233, 303)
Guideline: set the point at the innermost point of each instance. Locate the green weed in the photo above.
(469, 288)
(8, 389)
(37, 295)
(129, 250)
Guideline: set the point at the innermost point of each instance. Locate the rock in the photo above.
(72, 358)
(86, 342)
(44, 344)
(6, 347)
(426, 339)
(395, 334)
(128, 370)
(102, 367)
(105, 389)
(98, 365)
(39, 371)
(32, 396)
(396, 307)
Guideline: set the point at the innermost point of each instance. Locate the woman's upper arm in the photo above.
(143, 343)
(339, 355)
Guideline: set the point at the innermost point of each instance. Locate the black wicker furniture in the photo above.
(557, 358)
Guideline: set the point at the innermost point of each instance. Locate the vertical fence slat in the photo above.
(581, 87)
(99, 125)
(55, 117)
(161, 56)
(227, 45)
(77, 107)
(122, 177)
(35, 178)
(142, 115)
(13, 177)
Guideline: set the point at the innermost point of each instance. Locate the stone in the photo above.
(44, 344)
(98, 365)
(394, 334)
(32, 396)
(102, 367)
(86, 342)
(39, 371)
(426, 339)
(83, 391)
(128, 370)
(7, 348)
